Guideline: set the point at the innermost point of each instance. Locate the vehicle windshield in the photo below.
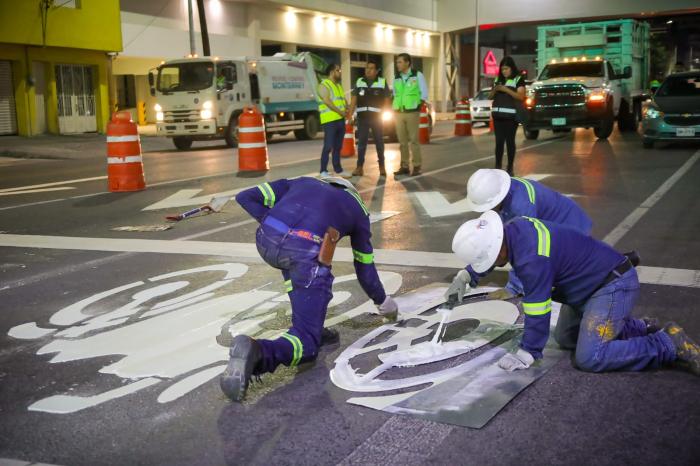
(482, 95)
(687, 86)
(592, 69)
(193, 76)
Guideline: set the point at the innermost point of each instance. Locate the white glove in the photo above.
(521, 359)
(389, 308)
(459, 285)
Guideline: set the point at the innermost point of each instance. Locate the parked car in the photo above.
(673, 113)
(480, 106)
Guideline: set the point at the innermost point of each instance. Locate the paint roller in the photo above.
(215, 205)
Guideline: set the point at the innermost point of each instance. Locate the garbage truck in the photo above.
(200, 98)
(590, 75)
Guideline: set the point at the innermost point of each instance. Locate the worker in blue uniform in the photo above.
(515, 197)
(301, 220)
(555, 261)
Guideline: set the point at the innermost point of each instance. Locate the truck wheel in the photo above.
(182, 142)
(231, 134)
(605, 129)
(311, 128)
(648, 143)
(531, 134)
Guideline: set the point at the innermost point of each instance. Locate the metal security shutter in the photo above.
(8, 114)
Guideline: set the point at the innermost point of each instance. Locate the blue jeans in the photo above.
(333, 134)
(311, 291)
(606, 338)
(364, 125)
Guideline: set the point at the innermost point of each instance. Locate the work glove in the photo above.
(459, 286)
(389, 309)
(521, 359)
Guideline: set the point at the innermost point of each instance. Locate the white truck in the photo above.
(201, 98)
(591, 74)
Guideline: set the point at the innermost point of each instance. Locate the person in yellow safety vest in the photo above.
(332, 110)
(654, 85)
(410, 92)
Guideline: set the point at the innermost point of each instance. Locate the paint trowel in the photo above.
(215, 205)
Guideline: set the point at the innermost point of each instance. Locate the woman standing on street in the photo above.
(508, 94)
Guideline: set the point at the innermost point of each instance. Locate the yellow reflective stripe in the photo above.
(288, 286)
(298, 348)
(529, 187)
(538, 309)
(358, 199)
(363, 257)
(543, 237)
(268, 193)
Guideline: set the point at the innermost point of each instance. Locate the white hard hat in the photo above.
(478, 241)
(486, 188)
(339, 181)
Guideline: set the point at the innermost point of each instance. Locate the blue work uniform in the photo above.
(555, 260)
(528, 198)
(294, 215)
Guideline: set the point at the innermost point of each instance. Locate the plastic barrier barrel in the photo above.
(348, 149)
(424, 126)
(252, 143)
(124, 159)
(463, 118)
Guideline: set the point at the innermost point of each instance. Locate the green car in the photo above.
(673, 113)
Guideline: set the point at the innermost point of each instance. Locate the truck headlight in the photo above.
(205, 114)
(207, 105)
(157, 108)
(387, 115)
(159, 116)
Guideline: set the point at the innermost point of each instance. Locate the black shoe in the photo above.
(652, 323)
(245, 355)
(634, 258)
(402, 171)
(416, 170)
(687, 351)
(329, 336)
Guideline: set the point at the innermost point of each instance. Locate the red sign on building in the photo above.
(490, 64)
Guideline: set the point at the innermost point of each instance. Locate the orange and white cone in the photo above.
(124, 158)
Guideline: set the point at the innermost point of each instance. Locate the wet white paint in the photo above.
(29, 331)
(189, 383)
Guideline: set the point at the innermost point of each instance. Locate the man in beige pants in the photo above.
(410, 92)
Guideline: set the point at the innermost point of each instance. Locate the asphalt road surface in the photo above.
(111, 341)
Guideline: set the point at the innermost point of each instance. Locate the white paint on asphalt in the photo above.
(33, 191)
(631, 220)
(29, 331)
(666, 276)
(57, 183)
(189, 384)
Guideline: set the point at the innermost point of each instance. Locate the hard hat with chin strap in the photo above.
(486, 189)
(478, 242)
(341, 182)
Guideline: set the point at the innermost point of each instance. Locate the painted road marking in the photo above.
(57, 183)
(32, 191)
(248, 252)
(631, 220)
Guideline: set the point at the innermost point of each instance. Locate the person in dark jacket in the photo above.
(508, 93)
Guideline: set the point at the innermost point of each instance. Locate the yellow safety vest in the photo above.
(337, 97)
(407, 95)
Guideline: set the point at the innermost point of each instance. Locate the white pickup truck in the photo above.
(201, 98)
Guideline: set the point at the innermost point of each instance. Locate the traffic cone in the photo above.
(252, 143)
(491, 124)
(124, 159)
(348, 149)
(424, 126)
(463, 118)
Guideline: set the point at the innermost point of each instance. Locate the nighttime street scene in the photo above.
(349, 232)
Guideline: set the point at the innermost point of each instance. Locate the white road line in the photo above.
(32, 191)
(631, 220)
(57, 183)
(248, 252)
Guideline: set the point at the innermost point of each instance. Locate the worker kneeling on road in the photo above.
(301, 220)
(598, 284)
(515, 197)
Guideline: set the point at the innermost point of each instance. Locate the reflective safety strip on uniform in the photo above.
(288, 286)
(127, 159)
(503, 110)
(359, 199)
(298, 348)
(132, 138)
(362, 257)
(538, 309)
(543, 237)
(369, 109)
(529, 187)
(268, 195)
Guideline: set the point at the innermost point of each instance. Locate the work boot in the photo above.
(246, 355)
(652, 324)
(358, 172)
(402, 171)
(687, 351)
(329, 336)
(382, 170)
(416, 170)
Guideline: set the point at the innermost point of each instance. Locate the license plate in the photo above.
(558, 121)
(685, 132)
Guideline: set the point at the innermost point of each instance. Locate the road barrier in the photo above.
(463, 118)
(348, 149)
(424, 126)
(124, 159)
(252, 143)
